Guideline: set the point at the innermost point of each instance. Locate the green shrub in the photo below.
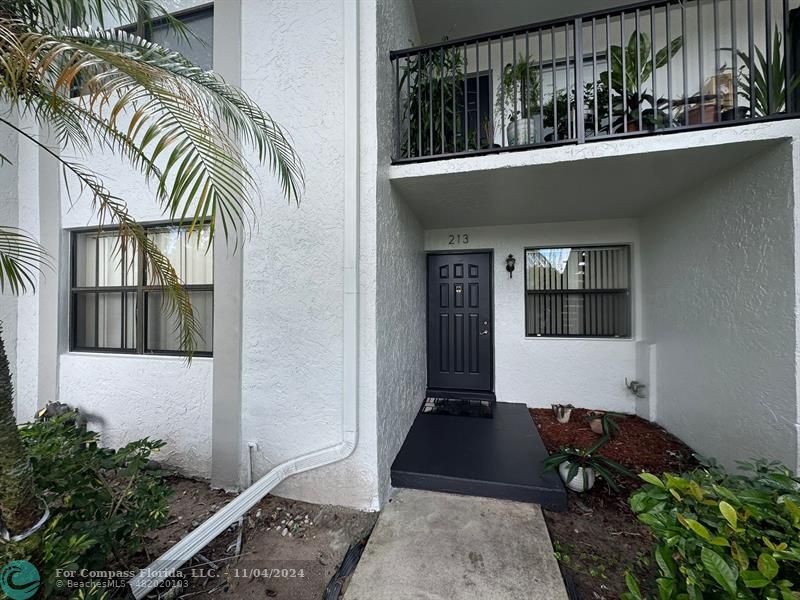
(103, 502)
(721, 535)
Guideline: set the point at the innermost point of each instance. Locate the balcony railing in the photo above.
(653, 67)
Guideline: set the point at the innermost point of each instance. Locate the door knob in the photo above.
(485, 328)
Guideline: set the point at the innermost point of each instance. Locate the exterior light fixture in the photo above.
(510, 262)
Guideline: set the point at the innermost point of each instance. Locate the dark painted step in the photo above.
(499, 457)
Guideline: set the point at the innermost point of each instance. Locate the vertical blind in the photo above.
(195, 267)
(583, 291)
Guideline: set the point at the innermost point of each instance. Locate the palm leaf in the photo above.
(53, 14)
(21, 259)
(176, 109)
(183, 128)
(175, 300)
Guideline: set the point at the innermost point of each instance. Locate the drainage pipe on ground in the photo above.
(165, 566)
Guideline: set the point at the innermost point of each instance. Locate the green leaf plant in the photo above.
(604, 468)
(632, 69)
(721, 535)
(764, 86)
(433, 105)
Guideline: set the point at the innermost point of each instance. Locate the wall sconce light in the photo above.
(510, 262)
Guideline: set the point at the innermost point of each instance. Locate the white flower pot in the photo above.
(576, 484)
(524, 131)
(562, 412)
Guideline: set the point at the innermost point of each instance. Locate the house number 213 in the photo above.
(458, 239)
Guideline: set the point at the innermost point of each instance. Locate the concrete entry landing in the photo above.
(499, 458)
(434, 546)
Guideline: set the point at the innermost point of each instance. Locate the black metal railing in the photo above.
(651, 67)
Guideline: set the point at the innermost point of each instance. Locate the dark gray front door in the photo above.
(460, 322)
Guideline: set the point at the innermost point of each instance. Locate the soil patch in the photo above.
(289, 549)
(598, 538)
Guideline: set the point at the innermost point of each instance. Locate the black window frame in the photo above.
(140, 288)
(143, 27)
(626, 292)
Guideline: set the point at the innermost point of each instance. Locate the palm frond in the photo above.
(185, 129)
(91, 14)
(188, 118)
(109, 208)
(230, 105)
(176, 301)
(21, 259)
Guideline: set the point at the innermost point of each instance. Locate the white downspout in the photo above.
(166, 565)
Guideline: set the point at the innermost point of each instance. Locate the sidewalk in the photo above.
(429, 545)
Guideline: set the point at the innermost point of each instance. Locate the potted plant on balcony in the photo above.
(560, 115)
(432, 108)
(639, 69)
(766, 88)
(580, 468)
(518, 98)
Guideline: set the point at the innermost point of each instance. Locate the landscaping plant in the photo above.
(608, 425)
(103, 502)
(588, 459)
(721, 535)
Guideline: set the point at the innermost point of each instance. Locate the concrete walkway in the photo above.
(434, 546)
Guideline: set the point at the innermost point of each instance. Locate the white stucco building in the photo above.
(660, 252)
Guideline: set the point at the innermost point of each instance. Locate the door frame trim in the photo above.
(444, 392)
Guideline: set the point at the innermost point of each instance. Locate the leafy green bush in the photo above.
(103, 502)
(721, 535)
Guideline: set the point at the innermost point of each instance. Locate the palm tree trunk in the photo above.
(19, 509)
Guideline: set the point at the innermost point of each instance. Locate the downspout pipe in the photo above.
(167, 564)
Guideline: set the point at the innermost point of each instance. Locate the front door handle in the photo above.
(485, 329)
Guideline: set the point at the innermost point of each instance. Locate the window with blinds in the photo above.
(116, 304)
(578, 292)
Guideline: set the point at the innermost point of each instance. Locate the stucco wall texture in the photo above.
(292, 371)
(122, 400)
(720, 307)
(400, 300)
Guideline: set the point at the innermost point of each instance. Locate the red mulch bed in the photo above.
(599, 537)
(640, 445)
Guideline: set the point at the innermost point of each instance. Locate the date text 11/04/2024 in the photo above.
(240, 572)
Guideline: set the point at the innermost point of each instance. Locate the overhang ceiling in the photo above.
(461, 18)
(590, 188)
